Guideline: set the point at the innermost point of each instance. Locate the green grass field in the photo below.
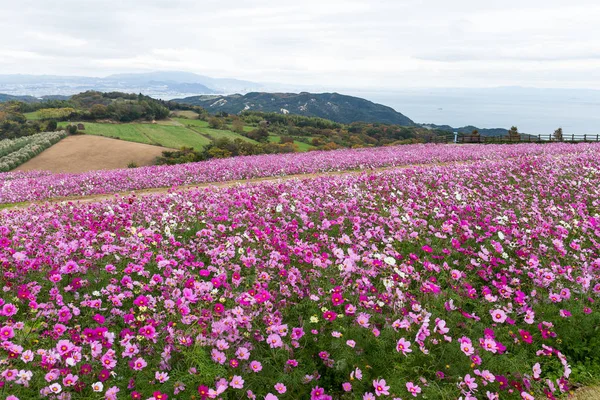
(173, 133)
(157, 134)
(32, 116)
(202, 127)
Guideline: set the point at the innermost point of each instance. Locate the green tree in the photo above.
(72, 129)
(286, 139)
(558, 135)
(513, 134)
(98, 111)
(237, 125)
(51, 126)
(215, 123)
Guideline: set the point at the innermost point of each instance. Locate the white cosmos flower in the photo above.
(390, 260)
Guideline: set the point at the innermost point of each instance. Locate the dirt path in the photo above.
(84, 153)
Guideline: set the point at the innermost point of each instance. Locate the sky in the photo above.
(341, 43)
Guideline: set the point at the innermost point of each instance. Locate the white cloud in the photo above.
(337, 43)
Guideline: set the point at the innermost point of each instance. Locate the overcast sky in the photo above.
(343, 43)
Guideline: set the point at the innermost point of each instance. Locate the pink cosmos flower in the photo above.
(202, 391)
(63, 346)
(403, 346)
(413, 389)
(27, 356)
(10, 374)
(297, 333)
(357, 373)
(147, 331)
(256, 366)
(380, 387)
(363, 320)
(526, 336)
(347, 386)
(274, 341)
(237, 382)
(242, 353)
(8, 310)
(316, 393)
(162, 377)
(6, 333)
(55, 388)
(467, 348)
(537, 370)
(218, 356)
(281, 388)
(470, 382)
(498, 315)
(70, 380)
(489, 345)
(139, 364)
(337, 299)
(330, 315)
(293, 363)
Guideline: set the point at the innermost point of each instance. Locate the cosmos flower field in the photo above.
(40, 185)
(478, 278)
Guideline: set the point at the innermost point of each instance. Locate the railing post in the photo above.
(585, 137)
(572, 137)
(539, 138)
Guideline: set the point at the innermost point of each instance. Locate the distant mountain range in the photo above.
(214, 95)
(164, 84)
(468, 129)
(332, 106)
(30, 99)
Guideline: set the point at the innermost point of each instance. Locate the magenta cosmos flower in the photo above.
(403, 346)
(380, 387)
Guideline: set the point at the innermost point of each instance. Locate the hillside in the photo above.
(25, 99)
(30, 99)
(332, 106)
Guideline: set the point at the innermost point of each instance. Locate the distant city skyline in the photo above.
(336, 43)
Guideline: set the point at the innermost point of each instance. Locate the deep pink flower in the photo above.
(380, 387)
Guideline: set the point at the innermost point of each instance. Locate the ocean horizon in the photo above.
(534, 111)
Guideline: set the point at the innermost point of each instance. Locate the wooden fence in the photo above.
(524, 138)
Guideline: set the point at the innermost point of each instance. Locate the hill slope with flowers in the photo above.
(476, 280)
(42, 185)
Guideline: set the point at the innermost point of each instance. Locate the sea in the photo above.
(531, 110)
